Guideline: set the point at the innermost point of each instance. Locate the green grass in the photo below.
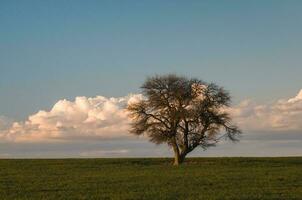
(198, 178)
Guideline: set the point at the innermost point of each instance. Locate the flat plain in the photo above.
(151, 178)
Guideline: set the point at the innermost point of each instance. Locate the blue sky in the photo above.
(61, 49)
(52, 50)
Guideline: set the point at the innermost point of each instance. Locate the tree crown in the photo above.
(185, 113)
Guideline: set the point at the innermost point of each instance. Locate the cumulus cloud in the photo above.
(106, 118)
(83, 118)
(283, 115)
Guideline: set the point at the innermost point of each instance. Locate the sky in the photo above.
(61, 61)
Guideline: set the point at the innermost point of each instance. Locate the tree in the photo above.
(184, 113)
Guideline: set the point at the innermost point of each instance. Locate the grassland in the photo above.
(198, 178)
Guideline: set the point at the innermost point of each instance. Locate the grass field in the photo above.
(198, 178)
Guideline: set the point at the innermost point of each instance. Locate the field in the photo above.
(198, 178)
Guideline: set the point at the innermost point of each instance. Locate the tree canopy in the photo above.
(184, 113)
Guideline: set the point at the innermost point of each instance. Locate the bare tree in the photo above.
(184, 113)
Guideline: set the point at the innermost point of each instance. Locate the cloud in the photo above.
(83, 118)
(106, 118)
(282, 115)
(296, 98)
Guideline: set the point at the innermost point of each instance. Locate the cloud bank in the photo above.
(106, 118)
(281, 116)
(83, 118)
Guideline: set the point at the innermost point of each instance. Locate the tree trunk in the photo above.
(178, 157)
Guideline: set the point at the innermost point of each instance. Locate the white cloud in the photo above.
(283, 115)
(296, 98)
(106, 118)
(84, 118)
